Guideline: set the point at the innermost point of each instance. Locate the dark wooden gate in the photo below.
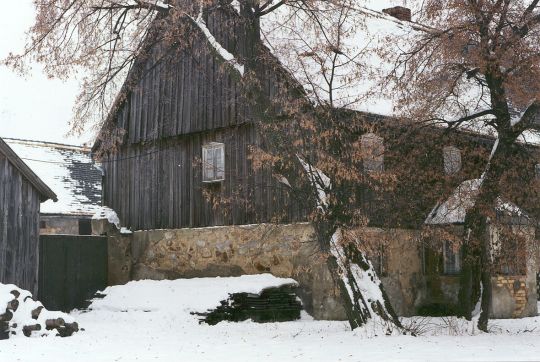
(71, 269)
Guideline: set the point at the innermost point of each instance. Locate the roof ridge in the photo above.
(48, 144)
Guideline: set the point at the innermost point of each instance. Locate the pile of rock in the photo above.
(20, 314)
(271, 305)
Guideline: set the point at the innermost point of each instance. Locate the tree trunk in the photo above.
(465, 301)
(364, 298)
(486, 284)
(469, 291)
(477, 267)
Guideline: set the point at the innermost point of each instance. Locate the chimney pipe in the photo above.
(399, 12)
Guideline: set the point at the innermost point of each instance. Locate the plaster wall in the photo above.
(59, 225)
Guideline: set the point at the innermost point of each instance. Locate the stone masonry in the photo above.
(291, 251)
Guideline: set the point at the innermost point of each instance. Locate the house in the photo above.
(21, 193)
(176, 147)
(73, 175)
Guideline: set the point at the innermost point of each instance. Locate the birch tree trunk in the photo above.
(364, 298)
(478, 265)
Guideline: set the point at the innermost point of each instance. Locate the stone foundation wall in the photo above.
(284, 251)
(291, 251)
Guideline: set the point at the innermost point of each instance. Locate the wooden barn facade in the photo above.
(21, 193)
(173, 108)
(176, 149)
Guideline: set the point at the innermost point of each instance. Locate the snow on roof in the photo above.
(454, 209)
(311, 54)
(345, 57)
(68, 170)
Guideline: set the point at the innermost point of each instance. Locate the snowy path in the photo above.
(150, 321)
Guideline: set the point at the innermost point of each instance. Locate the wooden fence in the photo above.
(71, 270)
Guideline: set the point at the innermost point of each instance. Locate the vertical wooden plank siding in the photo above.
(185, 98)
(19, 228)
(163, 183)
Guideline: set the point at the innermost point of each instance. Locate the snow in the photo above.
(125, 231)
(224, 53)
(204, 293)
(105, 213)
(454, 209)
(150, 321)
(23, 315)
(68, 170)
(236, 5)
(319, 180)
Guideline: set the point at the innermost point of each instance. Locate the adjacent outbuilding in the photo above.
(72, 174)
(21, 193)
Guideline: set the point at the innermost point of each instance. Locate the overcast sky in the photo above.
(34, 108)
(38, 108)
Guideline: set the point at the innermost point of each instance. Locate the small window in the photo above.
(537, 171)
(452, 160)
(213, 155)
(451, 259)
(85, 227)
(373, 152)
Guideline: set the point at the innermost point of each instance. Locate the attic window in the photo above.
(452, 160)
(213, 155)
(372, 152)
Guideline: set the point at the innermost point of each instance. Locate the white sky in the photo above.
(34, 108)
(38, 108)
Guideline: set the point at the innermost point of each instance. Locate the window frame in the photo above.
(457, 262)
(452, 160)
(217, 174)
(373, 150)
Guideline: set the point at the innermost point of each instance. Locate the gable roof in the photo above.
(304, 53)
(41, 187)
(346, 54)
(69, 170)
(275, 46)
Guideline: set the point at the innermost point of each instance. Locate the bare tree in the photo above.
(103, 39)
(475, 65)
(326, 155)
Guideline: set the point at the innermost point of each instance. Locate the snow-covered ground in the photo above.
(151, 321)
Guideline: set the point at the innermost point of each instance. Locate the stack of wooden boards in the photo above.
(271, 305)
